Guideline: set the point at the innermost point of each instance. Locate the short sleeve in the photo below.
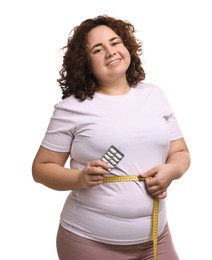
(168, 113)
(59, 134)
(175, 131)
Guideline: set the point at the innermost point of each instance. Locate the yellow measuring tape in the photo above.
(154, 211)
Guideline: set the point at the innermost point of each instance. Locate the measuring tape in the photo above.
(154, 211)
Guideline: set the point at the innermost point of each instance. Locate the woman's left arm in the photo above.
(160, 177)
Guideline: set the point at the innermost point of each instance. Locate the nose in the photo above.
(110, 54)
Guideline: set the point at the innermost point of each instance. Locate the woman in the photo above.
(105, 102)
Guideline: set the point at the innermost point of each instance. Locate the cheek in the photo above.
(94, 64)
(129, 59)
(126, 55)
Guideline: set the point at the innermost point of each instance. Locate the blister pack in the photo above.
(112, 157)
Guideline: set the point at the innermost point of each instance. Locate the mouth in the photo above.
(113, 62)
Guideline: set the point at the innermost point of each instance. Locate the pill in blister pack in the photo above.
(112, 157)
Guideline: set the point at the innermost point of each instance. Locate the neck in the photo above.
(113, 89)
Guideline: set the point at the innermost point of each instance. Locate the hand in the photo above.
(93, 174)
(158, 180)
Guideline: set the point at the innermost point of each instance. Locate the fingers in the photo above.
(98, 178)
(93, 173)
(163, 195)
(151, 173)
(96, 166)
(155, 188)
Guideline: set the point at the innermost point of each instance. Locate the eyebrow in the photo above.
(100, 44)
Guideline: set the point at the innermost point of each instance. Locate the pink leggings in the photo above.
(73, 247)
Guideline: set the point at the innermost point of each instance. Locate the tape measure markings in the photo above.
(155, 206)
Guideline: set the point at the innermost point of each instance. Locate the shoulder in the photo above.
(149, 89)
(70, 103)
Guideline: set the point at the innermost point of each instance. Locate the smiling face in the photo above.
(108, 58)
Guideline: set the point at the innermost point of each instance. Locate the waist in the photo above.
(111, 229)
(128, 200)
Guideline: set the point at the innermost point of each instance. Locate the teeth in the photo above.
(112, 62)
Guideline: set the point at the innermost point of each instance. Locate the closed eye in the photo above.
(116, 42)
(97, 50)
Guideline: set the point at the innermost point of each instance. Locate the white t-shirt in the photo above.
(141, 125)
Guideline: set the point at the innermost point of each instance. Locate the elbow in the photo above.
(185, 162)
(187, 154)
(35, 176)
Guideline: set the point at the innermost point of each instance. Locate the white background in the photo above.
(177, 44)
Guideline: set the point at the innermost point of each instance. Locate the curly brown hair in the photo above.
(75, 77)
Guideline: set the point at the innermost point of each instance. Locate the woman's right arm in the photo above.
(48, 169)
